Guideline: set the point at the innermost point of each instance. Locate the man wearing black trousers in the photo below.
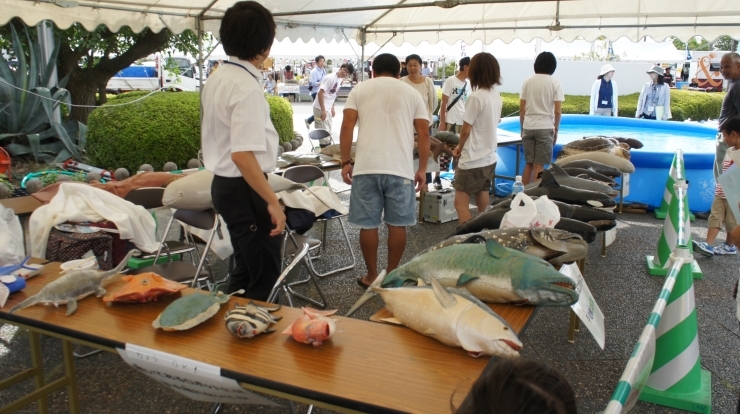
(317, 75)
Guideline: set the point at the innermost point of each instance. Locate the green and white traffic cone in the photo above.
(677, 172)
(678, 212)
(676, 379)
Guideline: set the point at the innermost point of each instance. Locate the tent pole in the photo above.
(362, 55)
(201, 72)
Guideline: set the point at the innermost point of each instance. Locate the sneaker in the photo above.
(724, 248)
(437, 184)
(308, 126)
(703, 248)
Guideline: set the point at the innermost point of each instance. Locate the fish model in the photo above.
(555, 246)
(491, 220)
(550, 187)
(561, 177)
(491, 272)
(600, 168)
(602, 220)
(313, 328)
(192, 310)
(620, 163)
(73, 286)
(590, 174)
(144, 287)
(251, 320)
(451, 316)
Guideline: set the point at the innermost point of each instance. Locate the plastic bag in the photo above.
(12, 250)
(520, 214)
(547, 215)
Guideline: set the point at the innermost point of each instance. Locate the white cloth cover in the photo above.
(81, 203)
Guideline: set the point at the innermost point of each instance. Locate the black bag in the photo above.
(459, 95)
(63, 247)
(299, 220)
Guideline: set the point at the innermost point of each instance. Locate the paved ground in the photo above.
(618, 281)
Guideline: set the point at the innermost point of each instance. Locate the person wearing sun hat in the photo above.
(655, 97)
(604, 93)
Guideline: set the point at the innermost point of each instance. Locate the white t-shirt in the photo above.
(482, 112)
(386, 110)
(330, 84)
(540, 92)
(236, 118)
(452, 87)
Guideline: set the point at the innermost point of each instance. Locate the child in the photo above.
(721, 211)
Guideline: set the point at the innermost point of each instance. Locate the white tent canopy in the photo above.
(412, 21)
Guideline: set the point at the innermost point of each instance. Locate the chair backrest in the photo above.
(203, 220)
(303, 173)
(147, 197)
(319, 133)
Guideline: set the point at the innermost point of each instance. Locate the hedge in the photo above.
(163, 127)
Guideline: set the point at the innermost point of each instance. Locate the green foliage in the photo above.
(4, 181)
(27, 123)
(281, 114)
(510, 104)
(49, 178)
(694, 44)
(79, 176)
(163, 127)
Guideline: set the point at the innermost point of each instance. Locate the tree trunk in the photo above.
(83, 84)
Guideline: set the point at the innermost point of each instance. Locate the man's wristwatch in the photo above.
(345, 163)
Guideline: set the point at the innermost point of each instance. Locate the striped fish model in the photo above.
(250, 320)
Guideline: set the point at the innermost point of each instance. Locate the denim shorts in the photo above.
(376, 196)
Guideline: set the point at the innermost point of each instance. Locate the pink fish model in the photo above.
(313, 327)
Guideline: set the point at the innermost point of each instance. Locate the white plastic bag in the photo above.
(547, 215)
(12, 250)
(520, 214)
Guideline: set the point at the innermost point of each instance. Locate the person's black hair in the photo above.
(287, 68)
(545, 63)
(464, 62)
(349, 67)
(247, 30)
(731, 125)
(318, 58)
(386, 64)
(521, 386)
(413, 57)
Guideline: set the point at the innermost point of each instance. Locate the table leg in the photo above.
(621, 195)
(518, 149)
(572, 328)
(38, 365)
(421, 204)
(603, 244)
(69, 367)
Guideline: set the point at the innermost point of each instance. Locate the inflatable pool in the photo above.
(652, 162)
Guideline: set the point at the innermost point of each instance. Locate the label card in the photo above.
(586, 308)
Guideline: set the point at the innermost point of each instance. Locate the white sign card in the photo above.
(193, 379)
(625, 184)
(5, 293)
(609, 236)
(730, 182)
(586, 308)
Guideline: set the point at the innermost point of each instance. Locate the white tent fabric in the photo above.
(410, 21)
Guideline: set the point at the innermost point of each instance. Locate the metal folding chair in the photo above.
(294, 255)
(321, 135)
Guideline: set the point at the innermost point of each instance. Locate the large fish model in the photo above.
(590, 174)
(599, 167)
(550, 187)
(491, 220)
(251, 320)
(144, 287)
(451, 316)
(555, 246)
(563, 178)
(314, 327)
(600, 219)
(620, 163)
(491, 272)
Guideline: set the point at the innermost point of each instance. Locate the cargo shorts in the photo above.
(474, 180)
(721, 213)
(538, 145)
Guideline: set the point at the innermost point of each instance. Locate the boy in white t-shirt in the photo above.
(383, 179)
(539, 115)
(323, 105)
(477, 148)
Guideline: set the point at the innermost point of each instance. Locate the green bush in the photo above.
(163, 127)
(281, 114)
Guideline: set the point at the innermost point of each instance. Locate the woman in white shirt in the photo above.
(477, 148)
(604, 93)
(655, 97)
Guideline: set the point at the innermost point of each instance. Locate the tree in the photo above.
(694, 44)
(725, 43)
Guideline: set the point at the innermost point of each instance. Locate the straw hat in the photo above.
(606, 69)
(657, 70)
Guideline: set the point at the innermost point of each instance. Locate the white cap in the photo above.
(518, 178)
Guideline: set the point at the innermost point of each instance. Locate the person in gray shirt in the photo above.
(730, 68)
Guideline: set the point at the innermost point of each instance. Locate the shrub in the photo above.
(163, 127)
(281, 114)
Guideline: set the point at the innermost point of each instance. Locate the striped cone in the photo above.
(678, 212)
(676, 379)
(677, 172)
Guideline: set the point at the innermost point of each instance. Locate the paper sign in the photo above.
(193, 379)
(625, 185)
(586, 308)
(5, 292)
(610, 236)
(730, 182)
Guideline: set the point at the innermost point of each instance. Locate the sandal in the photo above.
(361, 283)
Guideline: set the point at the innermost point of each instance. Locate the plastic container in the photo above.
(91, 264)
(518, 186)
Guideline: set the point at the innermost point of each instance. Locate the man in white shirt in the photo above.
(454, 92)
(425, 71)
(317, 75)
(239, 145)
(383, 176)
(323, 106)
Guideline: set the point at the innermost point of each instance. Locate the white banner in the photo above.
(193, 379)
(586, 308)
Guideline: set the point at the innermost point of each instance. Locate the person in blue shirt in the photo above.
(317, 75)
(604, 93)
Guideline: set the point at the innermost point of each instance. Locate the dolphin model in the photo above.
(609, 159)
(602, 220)
(591, 175)
(562, 178)
(550, 187)
(491, 220)
(599, 167)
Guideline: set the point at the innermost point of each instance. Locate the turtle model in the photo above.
(593, 144)
(189, 311)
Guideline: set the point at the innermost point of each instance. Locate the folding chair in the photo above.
(322, 136)
(305, 174)
(294, 255)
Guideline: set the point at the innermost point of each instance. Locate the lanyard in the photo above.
(655, 93)
(245, 68)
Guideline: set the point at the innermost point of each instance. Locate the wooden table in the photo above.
(366, 366)
(22, 206)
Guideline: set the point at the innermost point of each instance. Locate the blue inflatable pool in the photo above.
(652, 162)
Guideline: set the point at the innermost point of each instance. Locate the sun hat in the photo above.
(606, 69)
(657, 69)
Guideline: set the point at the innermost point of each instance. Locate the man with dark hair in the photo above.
(383, 176)
(730, 68)
(454, 92)
(323, 106)
(539, 115)
(240, 145)
(317, 75)
(425, 71)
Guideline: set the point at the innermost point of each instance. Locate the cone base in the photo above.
(655, 270)
(660, 214)
(698, 402)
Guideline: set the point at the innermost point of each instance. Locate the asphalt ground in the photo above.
(619, 282)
